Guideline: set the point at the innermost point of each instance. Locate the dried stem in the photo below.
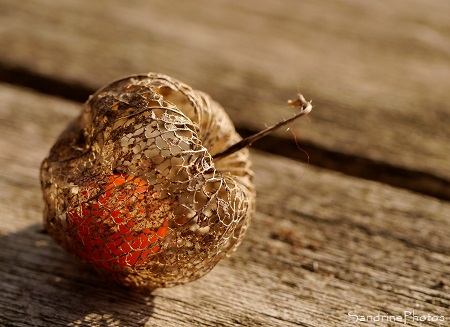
(305, 108)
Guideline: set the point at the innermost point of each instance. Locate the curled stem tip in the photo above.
(305, 108)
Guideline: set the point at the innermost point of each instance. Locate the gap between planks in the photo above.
(352, 165)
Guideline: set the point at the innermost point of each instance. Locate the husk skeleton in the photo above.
(131, 186)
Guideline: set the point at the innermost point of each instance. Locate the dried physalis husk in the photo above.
(131, 186)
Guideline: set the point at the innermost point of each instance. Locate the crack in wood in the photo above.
(352, 165)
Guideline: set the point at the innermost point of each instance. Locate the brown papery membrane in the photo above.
(138, 186)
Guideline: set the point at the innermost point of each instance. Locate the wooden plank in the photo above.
(321, 246)
(378, 72)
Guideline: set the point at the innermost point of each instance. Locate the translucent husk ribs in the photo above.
(131, 187)
(151, 185)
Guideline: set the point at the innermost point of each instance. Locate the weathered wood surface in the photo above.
(377, 71)
(321, 245)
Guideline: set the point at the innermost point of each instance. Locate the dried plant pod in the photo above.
(131, 186)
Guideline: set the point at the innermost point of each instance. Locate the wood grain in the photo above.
(321, 245)
(377, 71)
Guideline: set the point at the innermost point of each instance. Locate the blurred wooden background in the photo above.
(363, 228)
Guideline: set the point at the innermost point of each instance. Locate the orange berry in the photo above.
(109, 235)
